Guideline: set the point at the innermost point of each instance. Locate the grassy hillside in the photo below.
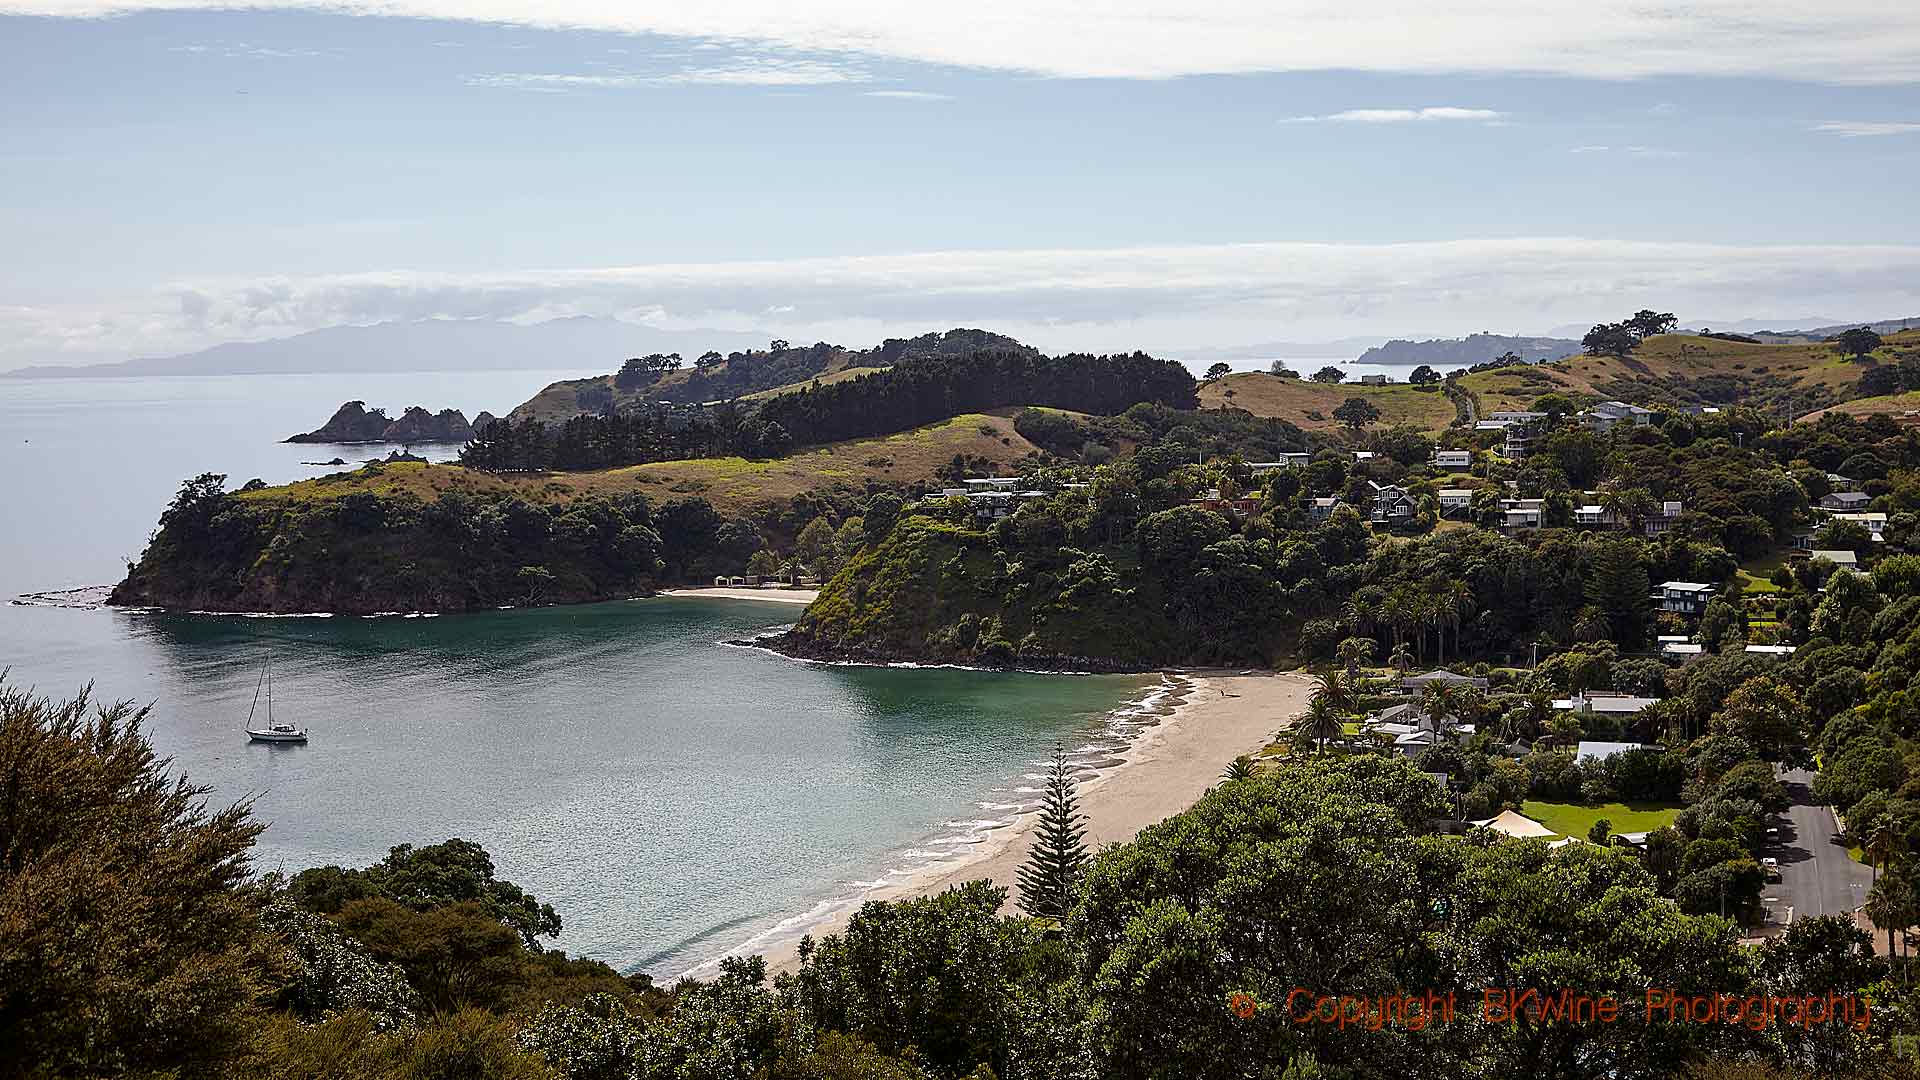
(1311, 404)
(732, 484)
(1686, 368)
(558, 401)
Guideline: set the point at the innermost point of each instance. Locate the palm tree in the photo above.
(1885, 843)
(1353, 652)
(1456, 603)
(1240, 768)
(1437, 701)
(1328, 686)
(1322, 722)
(1402, 658)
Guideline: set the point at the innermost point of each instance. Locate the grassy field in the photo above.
(1294, 399)
(1574, 819)
(1811, 367)
(730, 484)
(1755, 575)
(828, 379)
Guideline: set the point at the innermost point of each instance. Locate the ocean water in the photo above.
(672, 796)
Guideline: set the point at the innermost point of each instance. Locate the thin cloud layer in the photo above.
(1403, 116)
(1862, 129)
(1111, 298)
(1839, 41)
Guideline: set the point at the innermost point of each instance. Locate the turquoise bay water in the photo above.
(671, 796)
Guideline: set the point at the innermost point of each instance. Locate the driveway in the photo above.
(1816, 875)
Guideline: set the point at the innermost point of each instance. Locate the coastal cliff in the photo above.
(353, 422)
(382, 540)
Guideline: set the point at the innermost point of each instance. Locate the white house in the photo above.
(1604, 704)
(1845, 560)
(1322, 508)
(1455, 500)
(1601, 751)
(1453, 459)
(1375, 380)
(1680, 650)
(1771, 650)
(1592, 515)
(1874, 520)
(1607, 415)
(1523, 513)
(1684, 597)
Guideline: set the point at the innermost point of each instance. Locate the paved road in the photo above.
(1816, 875)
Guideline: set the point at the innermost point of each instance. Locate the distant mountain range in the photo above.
(428, 345)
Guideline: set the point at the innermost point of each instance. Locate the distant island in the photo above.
(353, 422)
(1470, 350)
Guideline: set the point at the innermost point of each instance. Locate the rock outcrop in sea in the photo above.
(353, 422)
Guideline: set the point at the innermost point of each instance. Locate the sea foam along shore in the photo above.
(775, 596)
(1211, 719)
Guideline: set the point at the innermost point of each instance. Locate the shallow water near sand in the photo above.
(672, 797)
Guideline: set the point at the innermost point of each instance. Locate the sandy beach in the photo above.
(777, 596)
(1217, 718)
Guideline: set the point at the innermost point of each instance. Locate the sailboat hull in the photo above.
(278, 736)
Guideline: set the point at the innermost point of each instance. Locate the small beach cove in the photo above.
(1203, 721)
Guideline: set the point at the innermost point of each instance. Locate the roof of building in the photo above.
(1600, 751)
(1771, 650)
(1511, 823)
(1605, 703)
(1440, 675)
(1456, 493)
(1682, 648)
(1837, 558)
(1686, 586)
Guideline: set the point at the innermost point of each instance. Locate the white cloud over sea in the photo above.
(1838, 41)
(1153, 297)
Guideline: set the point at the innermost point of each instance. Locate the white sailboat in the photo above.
(272, 732)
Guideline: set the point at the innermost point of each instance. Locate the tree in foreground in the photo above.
(1857, 343)
(1059, 855)
(128, 940)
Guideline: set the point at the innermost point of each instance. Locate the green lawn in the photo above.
(1753, 577)
(1574, 819)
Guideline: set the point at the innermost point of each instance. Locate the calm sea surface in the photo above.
(671, 796)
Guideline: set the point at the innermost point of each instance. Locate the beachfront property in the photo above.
(1455, 501)
(1683, 597)
(1414, 732)
(1414, 684)
(1604, 703)
(1607, 415)
(1452, 459)
(1845, 500)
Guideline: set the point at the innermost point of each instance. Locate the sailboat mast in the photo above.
(269, 688)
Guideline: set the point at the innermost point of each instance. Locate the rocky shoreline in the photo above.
(800, 647)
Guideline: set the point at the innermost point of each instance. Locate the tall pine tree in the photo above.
(1059, 855)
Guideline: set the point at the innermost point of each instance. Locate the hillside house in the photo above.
(1286, 459)
(1375, 380)
(1683, 597)
(1322, 508)
(1874, 520)
(1608, 415)
(1841, 559)
(1593, 516)
(1453, 459)
(1661, 521)
(1845, 500)
(1391, 504)
(1522, 513)
(1455, 502)
(1212, 500)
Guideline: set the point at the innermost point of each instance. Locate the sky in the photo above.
(1102, 176)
